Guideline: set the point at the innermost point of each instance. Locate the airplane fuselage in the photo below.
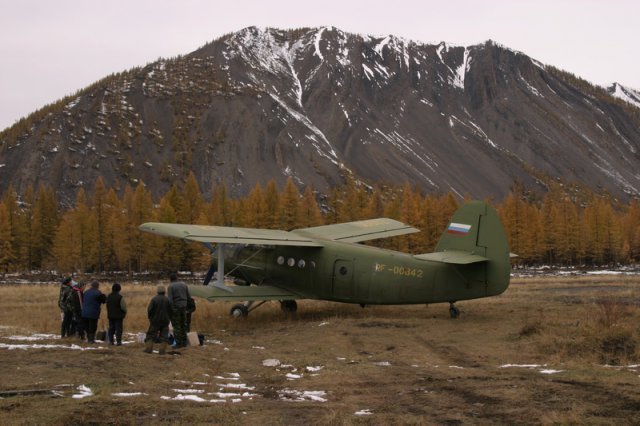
(356, 273)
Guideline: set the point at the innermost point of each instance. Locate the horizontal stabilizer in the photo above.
(453, 257)
(241, 293)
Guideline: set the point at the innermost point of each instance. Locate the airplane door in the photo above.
(343, 279)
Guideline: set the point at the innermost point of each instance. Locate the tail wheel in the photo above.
(453, 311)
(289, 306)
(239, 311)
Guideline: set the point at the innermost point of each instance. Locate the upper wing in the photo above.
(241, 293)
(224, 234)
(362, 230)
(351, 232)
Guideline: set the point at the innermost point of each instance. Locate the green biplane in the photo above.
(471, 261)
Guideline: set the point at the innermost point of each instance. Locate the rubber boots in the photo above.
(148, 346)
(163, 348)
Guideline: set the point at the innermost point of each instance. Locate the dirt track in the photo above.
(521, 358)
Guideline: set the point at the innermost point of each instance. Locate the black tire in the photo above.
(454, 312)
(239, 311)
(289, 306)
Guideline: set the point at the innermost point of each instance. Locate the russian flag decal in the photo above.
(458, 228)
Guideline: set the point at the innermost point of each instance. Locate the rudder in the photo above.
(475, 228)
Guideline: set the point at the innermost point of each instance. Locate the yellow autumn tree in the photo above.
(6, 249)
(310, 214)
(289, 209)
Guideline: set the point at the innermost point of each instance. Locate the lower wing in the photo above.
(241, 293)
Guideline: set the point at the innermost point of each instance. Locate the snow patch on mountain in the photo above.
(627, 94)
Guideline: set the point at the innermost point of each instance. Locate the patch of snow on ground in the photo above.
(34, 337)
(365, 412)
(188, 391)
(521, 366)
(39, 346)
(550, 371)
(314, 369)
(271, 362)
(84, 392)
(295, 395)
(127, 394)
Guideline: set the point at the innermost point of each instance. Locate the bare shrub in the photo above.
(611, 312)
(617, 345)
(531, 329)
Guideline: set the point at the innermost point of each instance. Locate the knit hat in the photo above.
(116, 287)
(160, 289)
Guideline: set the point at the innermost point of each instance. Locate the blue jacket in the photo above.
(93, 298)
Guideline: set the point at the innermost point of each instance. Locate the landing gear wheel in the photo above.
(453, 311)
(239, 311)
(289, 306)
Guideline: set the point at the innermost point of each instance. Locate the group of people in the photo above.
(81, 312)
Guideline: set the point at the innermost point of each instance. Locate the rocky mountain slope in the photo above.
(320, 104)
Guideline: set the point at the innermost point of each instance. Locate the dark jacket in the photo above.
(64, 300)
(116, 308)
(178, 294)
(77, 301)
(159, 311)
(93, 298)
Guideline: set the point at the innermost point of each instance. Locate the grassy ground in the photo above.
(553, 350)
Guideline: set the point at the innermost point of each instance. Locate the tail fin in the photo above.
(475, 242)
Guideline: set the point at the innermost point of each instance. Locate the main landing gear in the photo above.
(453, 311)
(241, 310)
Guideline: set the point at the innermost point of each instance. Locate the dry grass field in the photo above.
(549, 351)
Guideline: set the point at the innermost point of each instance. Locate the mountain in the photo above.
(319, 105)
(627, 94)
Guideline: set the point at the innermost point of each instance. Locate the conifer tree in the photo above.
(631, 230)
(66, 252)
(116, 248)
(191, 209)
(141, 212)
(289, 209)
(192, 201)
(410, 213)
(16, 224)
(375, 204)
(169, 251)
(220, 212)
(255, 208)
(272, 205)
(99, 219)
(27, 247)
(310, 214)
(6, 249)
(45, 222)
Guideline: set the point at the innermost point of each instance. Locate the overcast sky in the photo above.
(49, 49)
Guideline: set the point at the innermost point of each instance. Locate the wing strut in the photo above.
(219, 283)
